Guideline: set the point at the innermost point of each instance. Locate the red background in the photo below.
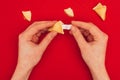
(62, 59)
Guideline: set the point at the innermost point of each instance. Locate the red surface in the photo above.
(62, 59)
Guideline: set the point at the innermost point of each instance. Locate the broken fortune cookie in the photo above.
(101, 10)
(57, 27)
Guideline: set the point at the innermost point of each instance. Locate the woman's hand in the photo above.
(92, 43)
(30, 49)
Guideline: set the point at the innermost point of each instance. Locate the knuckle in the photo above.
(21, 36)
(91, 23)
(36, 23)
(106, 36)
(50, 36)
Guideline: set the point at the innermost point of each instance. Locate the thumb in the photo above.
(78, 36)
(48, 38)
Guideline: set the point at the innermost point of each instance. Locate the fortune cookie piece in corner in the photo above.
(27, 15)
(101, 10)
(69, 12)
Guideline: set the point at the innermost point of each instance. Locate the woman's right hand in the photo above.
(93, 52)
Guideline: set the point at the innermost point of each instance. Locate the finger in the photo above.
(35, 37)
(41, 24)
(41, 32)
(38, 34)
(94, 30)
(78, 36)
(36, 27)
(90, 38)
(46, 41)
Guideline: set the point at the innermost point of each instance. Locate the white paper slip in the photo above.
(66, 26)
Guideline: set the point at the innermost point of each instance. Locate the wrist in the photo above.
(21, 72)
(99, 73)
